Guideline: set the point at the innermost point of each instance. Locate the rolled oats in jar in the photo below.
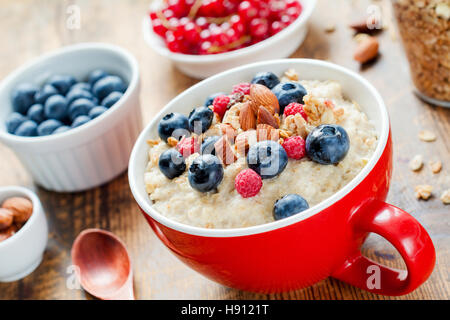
(424, 26)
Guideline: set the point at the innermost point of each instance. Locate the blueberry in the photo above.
(80, 107)
(171, 163)
(288, 92)
(289, 205)
(210, 99)
(75, 94)
(36, 113)
(62, 82)
(200, 119)
(13, 121)
(23, 97)
(111, 99)
(268, 158)
(96, 75)
(48, 127)
(28, 128)
(56, 107)
(96, 111)
(80, 120)
(46, 91)
(81, 86)
(327, 144)
(61, 129)
(108, 84)
(208, 145)
(173, 122)
(268, 79)
(205, 173)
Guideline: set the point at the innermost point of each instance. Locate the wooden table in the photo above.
(32, 27)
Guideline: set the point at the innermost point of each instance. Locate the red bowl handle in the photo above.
(408, 237)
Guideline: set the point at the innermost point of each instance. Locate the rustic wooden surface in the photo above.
(32, 27)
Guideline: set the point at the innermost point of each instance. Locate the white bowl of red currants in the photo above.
(205, 37)
(72, 116)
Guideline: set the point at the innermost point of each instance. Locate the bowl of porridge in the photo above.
(269, 177)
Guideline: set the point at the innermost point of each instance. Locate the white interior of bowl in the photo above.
(157, 43)
(77, 60)
(354, 87)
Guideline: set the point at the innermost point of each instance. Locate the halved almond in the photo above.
(265, 117)
(224, 151)
(263, 96)
(266, 132)
(247, 118)
(228, 131)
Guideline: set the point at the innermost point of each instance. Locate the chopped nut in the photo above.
(152, 142)
(291, 74)
(427, 136)
(331, 27)
(416, 163)
(423, 191)
(436, 166)
(445, 197)
(171, 141)
(228, 131)
(360, 37)
(224, 151)
(266, 132)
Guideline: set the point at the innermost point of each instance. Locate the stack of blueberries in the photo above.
(63, 103)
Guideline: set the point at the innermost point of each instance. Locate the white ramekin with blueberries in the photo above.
(72, 116)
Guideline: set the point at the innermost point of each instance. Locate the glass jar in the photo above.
(424, 26)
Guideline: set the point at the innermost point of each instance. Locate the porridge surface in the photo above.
(177, 200)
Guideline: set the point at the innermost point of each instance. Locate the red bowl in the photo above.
(320, 242)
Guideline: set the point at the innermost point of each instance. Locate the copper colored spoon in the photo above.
(104, 265)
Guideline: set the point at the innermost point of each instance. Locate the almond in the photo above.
(228, 131)
(224, 151)
(6, 218)
(242, 143)
(247, 118)
(266, 132)
(366, 50)
(265, 117)
(21, 208)
(263, 96)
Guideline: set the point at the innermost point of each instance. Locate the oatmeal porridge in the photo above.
(266, 151)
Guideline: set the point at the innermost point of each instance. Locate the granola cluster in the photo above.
(424, 26)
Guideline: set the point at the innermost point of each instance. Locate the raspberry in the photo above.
(220, 104)
(294, 108)
(188, 146)
(295, 147)
(243, 88)
(248, 183)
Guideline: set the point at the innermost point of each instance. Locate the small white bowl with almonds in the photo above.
(23, 233)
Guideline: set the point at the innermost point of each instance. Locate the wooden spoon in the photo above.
(104, 265)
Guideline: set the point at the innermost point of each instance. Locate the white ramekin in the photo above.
(22, 253)
(94, 153)
(281, 45)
